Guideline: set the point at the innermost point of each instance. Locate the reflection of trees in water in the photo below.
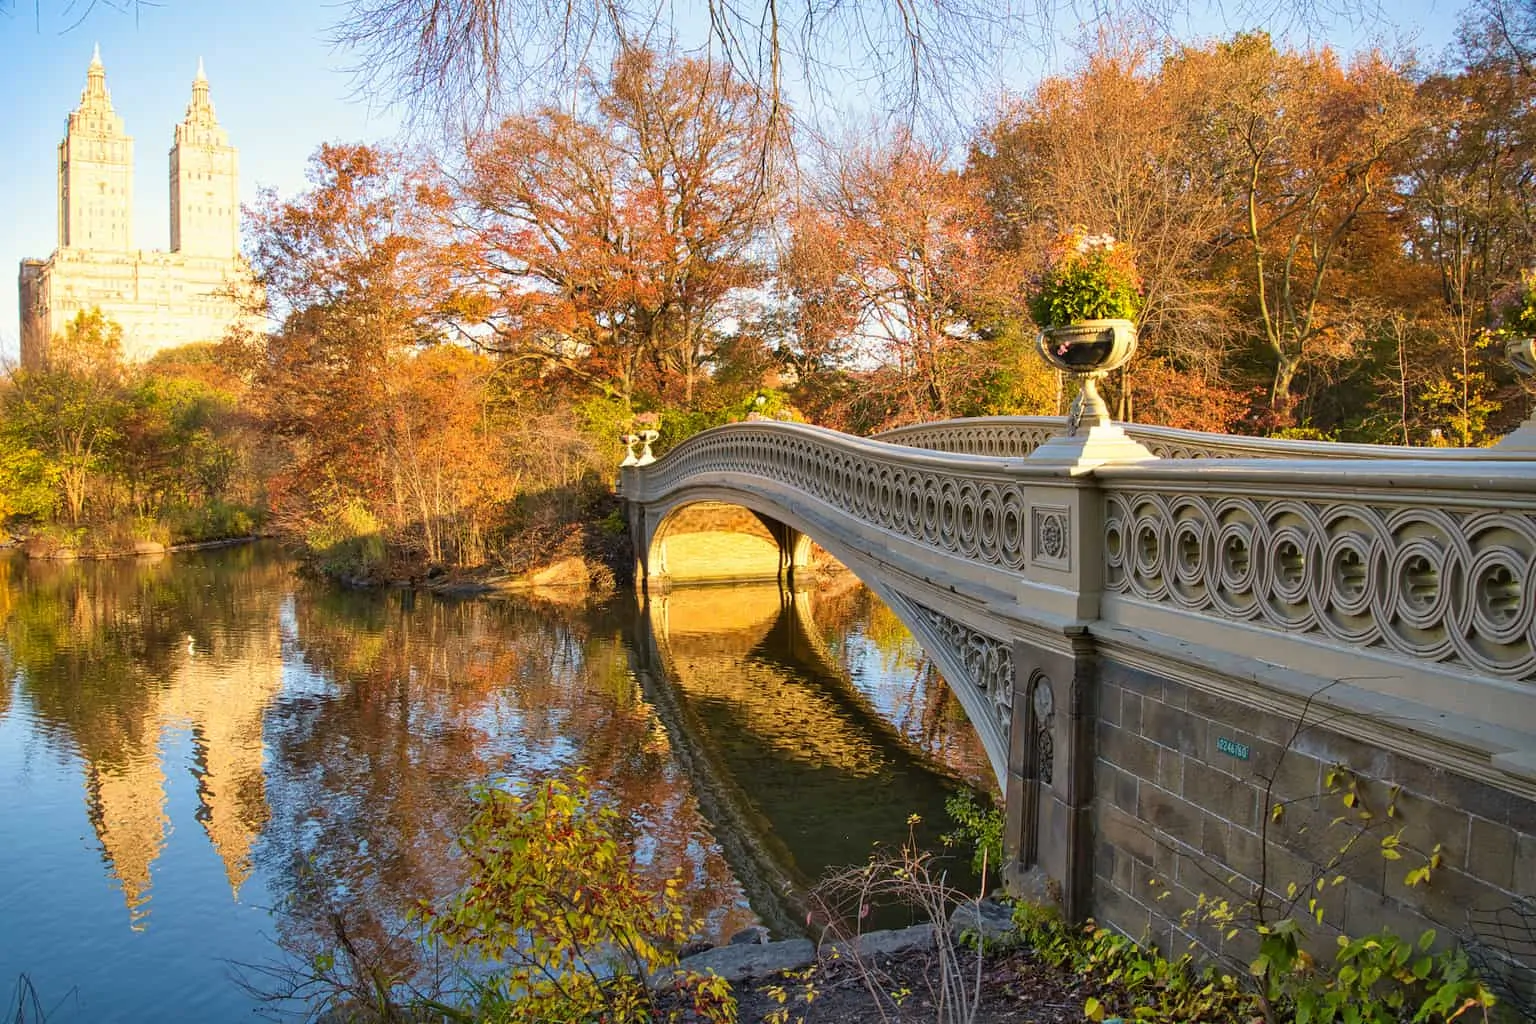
(852, 621)
(805, 768)
(419, 700)
(92, 641)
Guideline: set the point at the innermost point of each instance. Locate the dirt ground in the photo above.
(1015, 989)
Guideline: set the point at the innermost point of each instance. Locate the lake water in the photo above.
(207, 763)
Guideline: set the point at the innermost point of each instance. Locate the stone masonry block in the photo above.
(1217, 708)
(1125, 788)
(1121, 911)
(1446, 898)
(1369, 911)
(1221, 794)
(1175, 694)
(1111, 699)
(1018, 732)
(1426, 822)
(1127, 833)
(1333, 748)
(1144, 683)
(1173, 727)
(1476, 798)
(1127, 751)
(1491, 853)
(1165, 858)
(1013, 813)
(1213, 837)
(1245, 853)
(1296, 780)
(1265, 726)
(1170, 769)
(1130, 711)
(1525, 864)
(1172, 815)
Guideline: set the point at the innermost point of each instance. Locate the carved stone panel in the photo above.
(1050, 536)
(988, 662)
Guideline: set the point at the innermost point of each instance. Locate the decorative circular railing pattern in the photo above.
(969, 509)
(1455, 587)
(988, 663)
(1011, 438)
(1018, 436)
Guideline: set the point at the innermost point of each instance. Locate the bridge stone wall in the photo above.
(1184, 784)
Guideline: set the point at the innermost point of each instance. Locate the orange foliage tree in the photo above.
(891, 262)
(614, 247)
(371, 420)
(1311, 150)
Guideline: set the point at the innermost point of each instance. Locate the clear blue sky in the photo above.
(280, 91)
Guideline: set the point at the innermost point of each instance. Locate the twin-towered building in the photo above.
(195, 292)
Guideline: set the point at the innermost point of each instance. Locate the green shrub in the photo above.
(216, 520)
(554, 901)
(976, 825)
(1376, 979)
(347, 542)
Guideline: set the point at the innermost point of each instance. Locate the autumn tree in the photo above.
(368, 418)
(891, 263)
(1472, 209)
(1310, 150)
(68, 413)
(611, 246)
(341, 265)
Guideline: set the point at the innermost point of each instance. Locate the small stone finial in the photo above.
(647, 438)
(96, 64)
(201, 77)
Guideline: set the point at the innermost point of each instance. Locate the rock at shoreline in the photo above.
(736, 963)
(754, 936)
(990, 921)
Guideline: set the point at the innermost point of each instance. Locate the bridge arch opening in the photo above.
(711, 541)
(687, 540)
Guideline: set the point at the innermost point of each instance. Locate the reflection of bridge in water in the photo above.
(1154, 651)
(793, 765)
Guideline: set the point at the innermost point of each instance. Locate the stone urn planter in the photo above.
(1521, 443)
(1088, 349)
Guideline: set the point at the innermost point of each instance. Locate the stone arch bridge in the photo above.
(1155, 652)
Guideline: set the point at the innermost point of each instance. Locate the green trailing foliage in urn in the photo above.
(1086, 277)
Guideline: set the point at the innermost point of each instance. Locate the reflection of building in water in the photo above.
(126, 804)
(221, 698)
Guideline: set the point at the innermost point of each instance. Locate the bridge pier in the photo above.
(1048, 795)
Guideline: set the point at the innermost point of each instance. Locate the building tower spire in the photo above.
(200, 111)
(205, 181)
(96, 171)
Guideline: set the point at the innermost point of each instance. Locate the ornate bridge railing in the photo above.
(970, 506)
(1019, 436)
(1414, 581)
